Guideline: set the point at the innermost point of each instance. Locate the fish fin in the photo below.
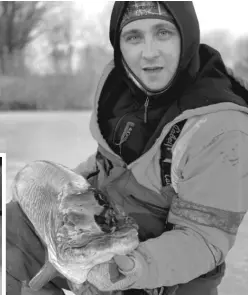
(46, 274)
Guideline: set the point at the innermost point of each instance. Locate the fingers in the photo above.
(124, 262)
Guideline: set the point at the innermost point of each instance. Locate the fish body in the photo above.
(78, 225)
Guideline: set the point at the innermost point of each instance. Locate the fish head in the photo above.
(88, 228)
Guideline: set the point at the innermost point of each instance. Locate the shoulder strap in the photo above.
(166, 152)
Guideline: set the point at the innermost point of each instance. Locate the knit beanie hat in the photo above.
(144, 9)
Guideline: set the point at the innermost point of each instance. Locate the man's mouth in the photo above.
(152, 69)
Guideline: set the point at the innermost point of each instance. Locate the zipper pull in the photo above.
(146, 106)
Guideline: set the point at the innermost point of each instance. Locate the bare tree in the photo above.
(59, 35)
(18, 19)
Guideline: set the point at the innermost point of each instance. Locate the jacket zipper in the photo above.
(146, 106)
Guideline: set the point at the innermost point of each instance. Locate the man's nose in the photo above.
(150, 50)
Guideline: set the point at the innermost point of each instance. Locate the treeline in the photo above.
(52, 55)
(234, 51)
(56, 91)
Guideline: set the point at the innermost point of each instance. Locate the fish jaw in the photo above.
(79, 242)
(80, 238)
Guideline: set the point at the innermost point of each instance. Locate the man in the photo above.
(172, 132)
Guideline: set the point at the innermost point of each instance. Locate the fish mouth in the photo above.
(102, 227)
(113, 220)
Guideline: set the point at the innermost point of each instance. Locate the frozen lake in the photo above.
(60, 137)
(64, 137)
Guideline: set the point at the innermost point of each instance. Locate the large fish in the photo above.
(79, 226)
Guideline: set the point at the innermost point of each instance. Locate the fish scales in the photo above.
(35, 200)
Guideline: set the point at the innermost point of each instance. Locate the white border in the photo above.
(3, 156)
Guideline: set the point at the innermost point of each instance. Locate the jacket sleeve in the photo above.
(211, 201)
(88, 167)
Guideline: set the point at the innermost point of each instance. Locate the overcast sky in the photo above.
(220, 14)
(212, 14)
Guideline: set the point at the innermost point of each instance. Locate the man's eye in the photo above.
(164, 33)
(132, 38)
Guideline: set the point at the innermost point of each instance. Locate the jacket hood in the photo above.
(186, 20)
(214, 83)
(202, 78)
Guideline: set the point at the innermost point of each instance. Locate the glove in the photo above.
(124, 272)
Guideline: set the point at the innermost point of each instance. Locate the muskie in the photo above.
(78, 225)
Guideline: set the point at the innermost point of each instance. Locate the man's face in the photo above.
(151, 48)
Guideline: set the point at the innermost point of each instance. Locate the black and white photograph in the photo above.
(2, 218)
(1, 195)
(124, 134)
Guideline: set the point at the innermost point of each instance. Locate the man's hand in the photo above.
(118, 274)
(124, 263)
(136, 270)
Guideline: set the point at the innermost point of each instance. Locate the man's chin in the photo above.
(155, 85)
